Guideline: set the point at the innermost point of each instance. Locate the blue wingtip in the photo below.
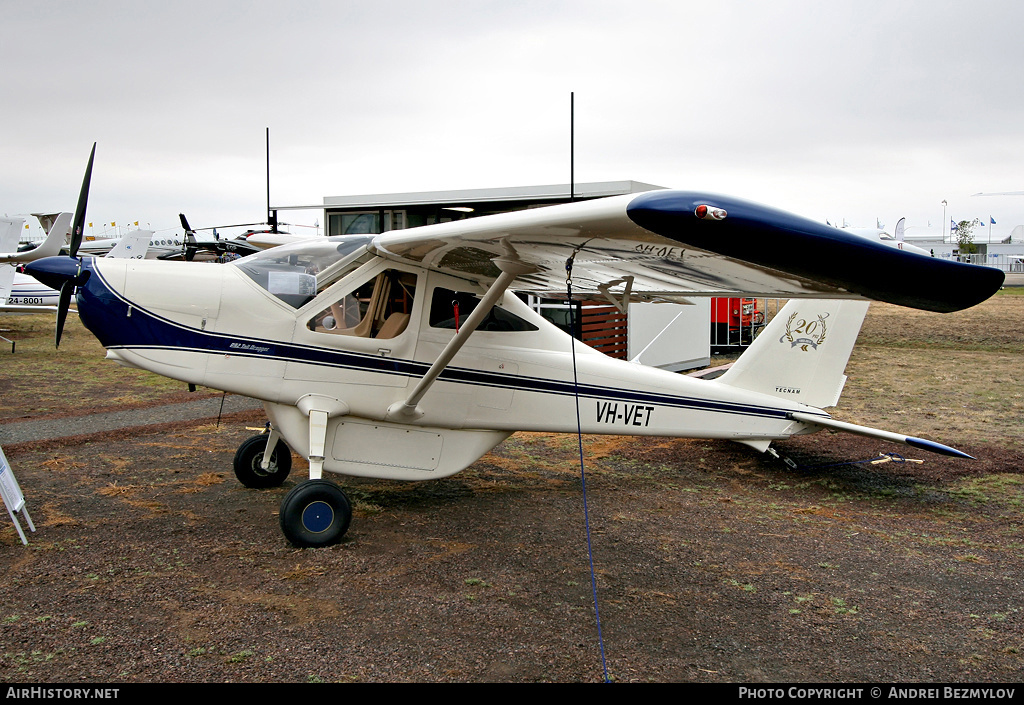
(788, 243)
(937, 448)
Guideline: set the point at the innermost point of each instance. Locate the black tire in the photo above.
(249, 457)
(315, 513)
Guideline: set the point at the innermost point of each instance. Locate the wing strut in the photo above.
(511, 267)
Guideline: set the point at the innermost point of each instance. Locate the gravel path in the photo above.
(64, 426)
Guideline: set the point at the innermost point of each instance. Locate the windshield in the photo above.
(294, 273)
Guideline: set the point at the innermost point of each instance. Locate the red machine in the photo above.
(734, 321)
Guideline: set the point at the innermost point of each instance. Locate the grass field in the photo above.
(954, 376)
(712, 562)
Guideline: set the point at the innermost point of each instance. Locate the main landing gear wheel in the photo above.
(249, 460)
(315, 513)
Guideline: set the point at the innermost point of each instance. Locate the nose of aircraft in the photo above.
(55, 271)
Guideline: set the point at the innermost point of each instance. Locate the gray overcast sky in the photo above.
(842, 109)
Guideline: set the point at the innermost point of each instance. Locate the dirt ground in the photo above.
(711, 562)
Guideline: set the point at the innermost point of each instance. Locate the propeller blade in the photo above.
(83, 201)
(188, 253)
(63, 304)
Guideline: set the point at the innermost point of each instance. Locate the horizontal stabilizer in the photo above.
(931, 446)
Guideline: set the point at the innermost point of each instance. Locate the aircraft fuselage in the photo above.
(179, 321)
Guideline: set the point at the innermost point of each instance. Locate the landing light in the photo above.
(709, 213)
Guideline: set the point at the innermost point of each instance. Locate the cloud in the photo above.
(879, 108)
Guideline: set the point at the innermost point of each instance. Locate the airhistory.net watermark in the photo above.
(32, 693)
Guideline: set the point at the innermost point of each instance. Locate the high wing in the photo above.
(668, 245)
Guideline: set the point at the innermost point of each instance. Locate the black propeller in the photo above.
(189, 246)
(68, 287)
(83, 201)
(66, 274)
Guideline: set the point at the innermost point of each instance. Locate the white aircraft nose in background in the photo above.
(897, 240)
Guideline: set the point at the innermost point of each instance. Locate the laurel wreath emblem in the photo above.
(813, 332)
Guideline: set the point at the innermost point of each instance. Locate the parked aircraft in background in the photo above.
(160, 246)
(407, 355)
(56, 236)
(217, 247)
(22, 293)
(10, 231)
(155, 245)
(10, 234)
(882, 236)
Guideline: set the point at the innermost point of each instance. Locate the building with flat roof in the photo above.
(377, 213)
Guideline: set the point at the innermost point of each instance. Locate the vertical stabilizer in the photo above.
(49, 247)
(134, 245)
(6, 282)
(10, 233)
(802, 353)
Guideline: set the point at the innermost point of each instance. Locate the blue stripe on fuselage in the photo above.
(105, 313)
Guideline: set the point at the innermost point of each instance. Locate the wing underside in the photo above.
(657, 246)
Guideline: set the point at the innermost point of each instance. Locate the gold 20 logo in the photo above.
(813, 332)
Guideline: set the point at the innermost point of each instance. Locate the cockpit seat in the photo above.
(393, 326)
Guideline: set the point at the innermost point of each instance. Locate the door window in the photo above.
(378, 308)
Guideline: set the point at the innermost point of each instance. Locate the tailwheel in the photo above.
(315, 513)
(249, 463)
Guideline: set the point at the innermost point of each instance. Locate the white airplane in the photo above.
(10, 232)
(55, 239)
(157, 245)
(407, 355)
(22, 293)
(898, 241)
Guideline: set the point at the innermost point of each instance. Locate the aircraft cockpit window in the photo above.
(291, 272)
(449, 309)
(378, 308)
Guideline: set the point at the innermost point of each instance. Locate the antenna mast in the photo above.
(572, 146)
(271, 215)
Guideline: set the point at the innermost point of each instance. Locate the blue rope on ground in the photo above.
(583, 476)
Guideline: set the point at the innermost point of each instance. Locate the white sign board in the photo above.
(12, 496)
(673, 337)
